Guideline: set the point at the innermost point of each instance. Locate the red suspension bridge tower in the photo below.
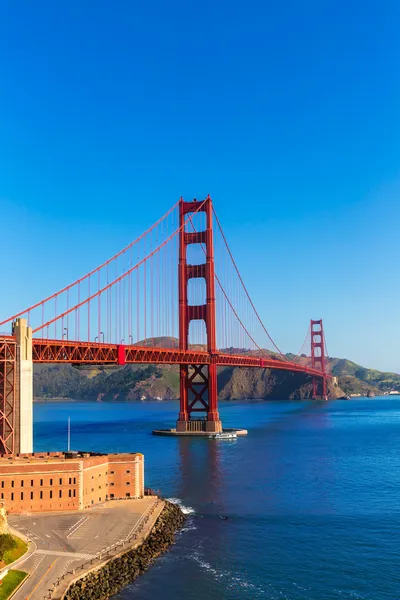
(319, 390)
(198, 383)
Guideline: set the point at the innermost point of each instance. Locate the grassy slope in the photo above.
(10, 582)
(13, 555)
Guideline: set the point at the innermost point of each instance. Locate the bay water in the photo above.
(311, 496)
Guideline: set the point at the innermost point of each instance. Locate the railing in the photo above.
(130, 537)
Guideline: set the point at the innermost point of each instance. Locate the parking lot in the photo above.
(67, 540)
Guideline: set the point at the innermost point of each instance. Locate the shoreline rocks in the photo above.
(118, 572)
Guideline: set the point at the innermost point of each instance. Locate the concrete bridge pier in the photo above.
(23, 430)
(16, 390)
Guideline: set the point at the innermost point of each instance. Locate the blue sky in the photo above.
(286, 113)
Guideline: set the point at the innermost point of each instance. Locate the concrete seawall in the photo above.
(109, 578)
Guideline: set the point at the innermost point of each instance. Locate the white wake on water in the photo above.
(187, 510)
(231, 580)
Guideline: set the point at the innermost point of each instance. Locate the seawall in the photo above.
(118, 572)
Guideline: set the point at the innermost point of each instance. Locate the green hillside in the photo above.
(353, 378)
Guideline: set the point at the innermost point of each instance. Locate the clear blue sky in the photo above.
(287, 113)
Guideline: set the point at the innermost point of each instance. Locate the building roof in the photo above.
(36, 457)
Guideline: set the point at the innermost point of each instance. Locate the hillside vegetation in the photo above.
(136, 382)
(354, 379)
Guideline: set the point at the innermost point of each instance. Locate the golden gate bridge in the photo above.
(173, 296)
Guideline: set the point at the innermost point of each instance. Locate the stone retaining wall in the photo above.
(119, 572)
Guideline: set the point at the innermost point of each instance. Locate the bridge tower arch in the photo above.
(198, 383)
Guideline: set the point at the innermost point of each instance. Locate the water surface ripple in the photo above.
(311, 496)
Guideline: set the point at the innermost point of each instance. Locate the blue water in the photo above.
(312, 495)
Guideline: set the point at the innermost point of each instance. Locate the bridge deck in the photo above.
(55, 351)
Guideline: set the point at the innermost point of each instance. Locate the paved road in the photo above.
(66, 540)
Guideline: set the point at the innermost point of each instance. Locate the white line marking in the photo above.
(78, 526)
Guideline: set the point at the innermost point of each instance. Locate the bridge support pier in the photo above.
(16, 390)
(23, 431)
(198, 394)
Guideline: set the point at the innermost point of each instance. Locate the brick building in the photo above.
(62, 481)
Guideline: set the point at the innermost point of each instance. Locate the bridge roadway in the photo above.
(66, 351)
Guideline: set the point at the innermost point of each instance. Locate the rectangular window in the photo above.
(22, 483)
(74, 480)
(127, 494)
(51, 493)
(12, 495)
(74, 493)
(41, 495)
(31, 482)
(2, 484)
(70, 480)
(2, 495)
(60, 493)
(69, 493)
(31, 495)
(22, 495)
(60, 481)
(51, 482)
(111, 495)
(12, 483)
(41, 482)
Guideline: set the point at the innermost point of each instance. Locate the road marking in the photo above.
(78, 525)
(32, 535)
(59, 553)
(28, 578)
(41, 579)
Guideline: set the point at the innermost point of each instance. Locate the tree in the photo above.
(7, 543)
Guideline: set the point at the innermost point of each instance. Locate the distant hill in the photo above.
(354, 379)
(136, 382)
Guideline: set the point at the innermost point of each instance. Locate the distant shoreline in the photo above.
(46, 400)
